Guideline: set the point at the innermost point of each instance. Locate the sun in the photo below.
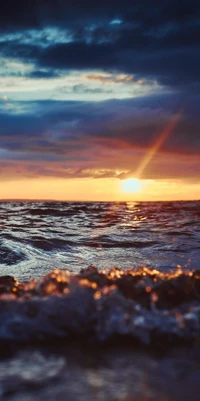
(131, 185)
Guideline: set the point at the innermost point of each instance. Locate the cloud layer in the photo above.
(87, 90)
(111, 136)
(156, 42)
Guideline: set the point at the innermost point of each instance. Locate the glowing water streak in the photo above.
(153, 150)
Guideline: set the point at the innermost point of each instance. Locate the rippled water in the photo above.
(145, 306)
(37, 237)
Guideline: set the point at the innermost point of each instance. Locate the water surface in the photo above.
(36, 237)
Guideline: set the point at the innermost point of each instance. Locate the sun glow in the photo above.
(131, 185)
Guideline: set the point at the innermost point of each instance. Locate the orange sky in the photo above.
(108, 189)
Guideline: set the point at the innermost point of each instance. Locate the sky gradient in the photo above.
(94, 94)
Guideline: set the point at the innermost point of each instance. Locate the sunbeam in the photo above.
(156, 146)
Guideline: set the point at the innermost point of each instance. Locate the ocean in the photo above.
(37, 237)
(100, 301)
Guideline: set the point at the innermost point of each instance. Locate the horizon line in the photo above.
(95, 201)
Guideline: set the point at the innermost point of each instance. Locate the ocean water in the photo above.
(36, 237)
(70, 330)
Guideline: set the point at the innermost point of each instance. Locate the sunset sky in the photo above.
(95, 94)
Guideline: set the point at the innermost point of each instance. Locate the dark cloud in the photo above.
(35, 13)
(79, 55)
(159, 42)
(15, 50)
(63, 129)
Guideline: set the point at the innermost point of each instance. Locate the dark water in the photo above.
(122, 319)
(36, 237)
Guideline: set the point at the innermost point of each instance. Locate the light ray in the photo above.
(156, 146)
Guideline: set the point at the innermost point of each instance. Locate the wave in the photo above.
(118, 244)
(38, 236)
(145, 305)
(10, 257)
(49, 244)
